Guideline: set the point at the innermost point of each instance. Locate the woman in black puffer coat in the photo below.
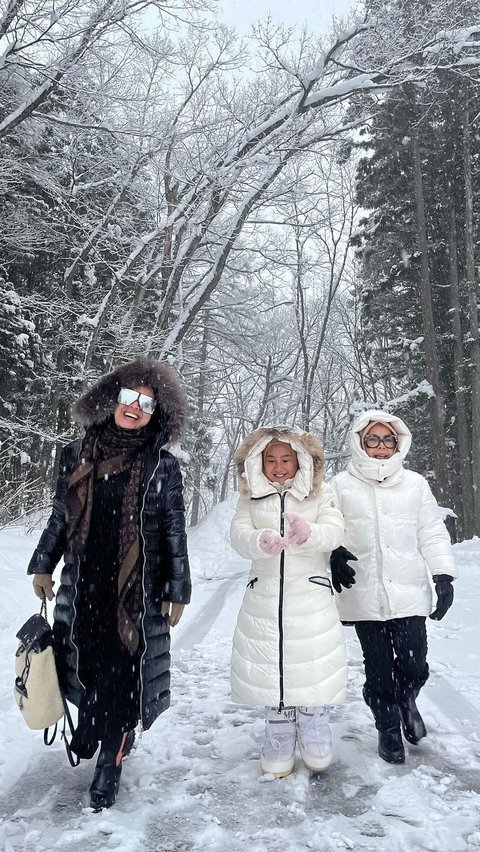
(118, 521)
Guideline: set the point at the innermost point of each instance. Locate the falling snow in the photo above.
(192, 783)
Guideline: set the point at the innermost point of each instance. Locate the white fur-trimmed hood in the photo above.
(308, 479)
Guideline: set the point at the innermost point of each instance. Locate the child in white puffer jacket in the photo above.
(394, 529)
(288, 647)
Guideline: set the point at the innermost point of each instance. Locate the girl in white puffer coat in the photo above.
(394, 529)
(288, 648)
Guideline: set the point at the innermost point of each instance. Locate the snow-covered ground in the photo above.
(193, 784)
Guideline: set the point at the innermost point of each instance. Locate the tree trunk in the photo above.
(436, 405)
(463, 432)
(197, 463)
(473, 311)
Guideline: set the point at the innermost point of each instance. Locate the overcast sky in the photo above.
(316, 13)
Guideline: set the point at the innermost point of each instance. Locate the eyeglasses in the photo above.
(127, 396)
(373, 441)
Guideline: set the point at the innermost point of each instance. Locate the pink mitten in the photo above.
(271, 542)
(298, 529)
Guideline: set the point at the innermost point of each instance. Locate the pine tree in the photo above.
(416, 135)
(19, 357)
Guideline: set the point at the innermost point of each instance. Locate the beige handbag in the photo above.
(36, 689)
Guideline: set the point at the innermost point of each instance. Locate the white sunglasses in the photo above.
(127, 396)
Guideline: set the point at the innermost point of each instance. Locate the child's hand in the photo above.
(298, 529)
(271, 542)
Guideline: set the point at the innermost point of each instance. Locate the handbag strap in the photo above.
(49, 740)
(67, 718)
(67, 721)
(74, 761)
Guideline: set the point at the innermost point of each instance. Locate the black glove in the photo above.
(342, 572)
(444, 589)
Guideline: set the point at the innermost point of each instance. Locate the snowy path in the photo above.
(192, 784)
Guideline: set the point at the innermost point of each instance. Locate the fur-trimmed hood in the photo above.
(97, 405)
(308, 479)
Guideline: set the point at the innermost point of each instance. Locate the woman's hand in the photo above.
(174, 611)
(342, 573)
(444, 589)
(43, 586)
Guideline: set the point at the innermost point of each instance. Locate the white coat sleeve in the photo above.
(327, 532)
(243, 533)
(336, 491)
(432, 536)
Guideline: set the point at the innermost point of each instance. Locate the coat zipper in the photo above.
(143, 589)
(77, 661)
(280, 605)
(280, 595)
(72, 630)
(382, 597)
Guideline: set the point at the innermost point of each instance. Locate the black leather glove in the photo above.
(444, 589)
(342, 573)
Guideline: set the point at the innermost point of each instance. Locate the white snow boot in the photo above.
(314, 737)
(278, 752)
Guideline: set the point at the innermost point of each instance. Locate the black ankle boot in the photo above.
(412, 723)
(106, 779)
(390, 745)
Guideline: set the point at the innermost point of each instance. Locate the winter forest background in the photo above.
(292, 219)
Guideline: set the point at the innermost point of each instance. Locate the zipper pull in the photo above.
(251, 584)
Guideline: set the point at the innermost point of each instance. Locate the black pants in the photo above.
(395, 660)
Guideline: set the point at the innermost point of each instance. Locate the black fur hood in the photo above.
(169, 418)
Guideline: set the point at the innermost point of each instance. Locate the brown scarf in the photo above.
(107, 451)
